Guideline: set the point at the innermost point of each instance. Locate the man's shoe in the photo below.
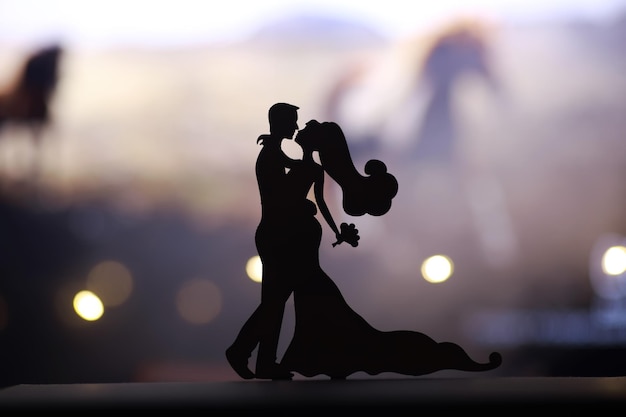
(239, 363)
(274, 372)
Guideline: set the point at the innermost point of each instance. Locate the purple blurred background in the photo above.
(502, 121)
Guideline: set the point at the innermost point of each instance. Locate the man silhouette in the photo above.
(275, 238)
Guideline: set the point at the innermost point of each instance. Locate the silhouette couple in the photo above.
(329, 337)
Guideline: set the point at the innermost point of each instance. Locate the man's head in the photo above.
(283, 120)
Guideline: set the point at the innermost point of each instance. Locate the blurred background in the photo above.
(128, 200)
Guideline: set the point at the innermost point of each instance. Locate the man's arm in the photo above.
(287, 161)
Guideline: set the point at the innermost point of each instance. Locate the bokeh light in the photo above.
(607, 266)
(437, 268)
(199, 301)
(254, 268)
(112, 281)
(88, 306)
(614, 260)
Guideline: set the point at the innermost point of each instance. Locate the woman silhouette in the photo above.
(329, 337)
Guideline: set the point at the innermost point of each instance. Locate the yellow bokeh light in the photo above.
(614, 260)
(199, 301)
(437, 268)
(254, 268)
(88, 306)
(112, 281)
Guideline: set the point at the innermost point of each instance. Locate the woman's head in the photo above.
(370, 194)
(310, 136)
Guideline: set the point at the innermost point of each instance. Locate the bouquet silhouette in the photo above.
(348, 233)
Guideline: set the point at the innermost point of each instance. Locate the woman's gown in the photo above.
(331, 339)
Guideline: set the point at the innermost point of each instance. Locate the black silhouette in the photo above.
(276, 238)
(329, 338)
(26, 101)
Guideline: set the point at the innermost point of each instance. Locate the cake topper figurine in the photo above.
(329, 338)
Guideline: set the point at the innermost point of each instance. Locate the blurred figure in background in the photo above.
(460, 51)
(455, 53)
(363, 142)
(26, 101)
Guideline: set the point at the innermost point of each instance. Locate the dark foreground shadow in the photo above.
(398, 397)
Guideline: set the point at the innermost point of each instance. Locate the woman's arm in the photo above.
(318, 189)
(348, 232)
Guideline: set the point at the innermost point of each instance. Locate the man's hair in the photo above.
(281, 112)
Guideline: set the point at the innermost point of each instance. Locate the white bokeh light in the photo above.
(437, 268)
(614, 260)
(607, 266)
(254, 269)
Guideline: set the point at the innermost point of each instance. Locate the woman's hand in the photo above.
(349, 233)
